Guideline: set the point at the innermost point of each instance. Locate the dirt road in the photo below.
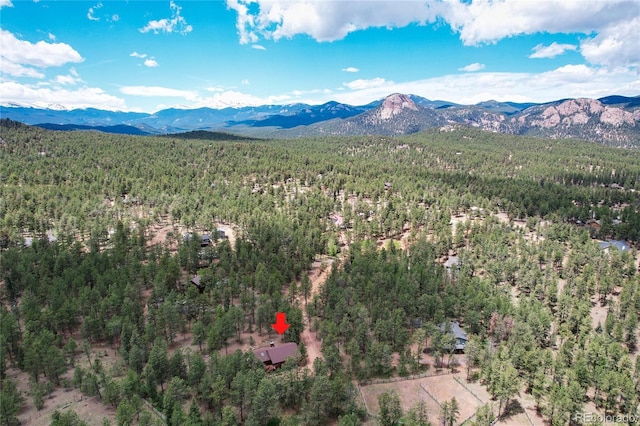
(318, 276)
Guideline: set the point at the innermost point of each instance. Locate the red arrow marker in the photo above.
(281, 323)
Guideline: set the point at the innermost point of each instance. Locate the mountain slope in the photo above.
(397, 114)
(612, 120)
(507, 108)
(121, 129)
(88, 117)
(621, 101)
(581, 118)
(306, 116)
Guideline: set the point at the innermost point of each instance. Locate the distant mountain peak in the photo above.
(613, 120)
(394, 104)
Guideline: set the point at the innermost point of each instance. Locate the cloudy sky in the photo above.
(149, 55)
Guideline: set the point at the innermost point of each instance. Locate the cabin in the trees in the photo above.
(274, 356)
(196, 282)
(593, 225)
(458, 332)
(205, 240)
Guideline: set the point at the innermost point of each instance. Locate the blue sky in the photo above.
(149, 55)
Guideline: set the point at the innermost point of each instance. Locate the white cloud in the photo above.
(614, 23)
(350, 69)
(52, 37)
(176, 23)
(40, 54)
(91, 11)
(258, 47)
(610, 25)
(490, 21)
(245, 82)
(156, 91)
(467, 88)
(67, 80)
(70, 79)
(570, 81)
(551, 51)
(224, 98)
(367, 84)
(148, 62)
(232, 98)
(616, 45)
(245, 22)
(476, 66)
(5, 3)
(17, 70)
(18, 56)
(86, 97)
(322, 20)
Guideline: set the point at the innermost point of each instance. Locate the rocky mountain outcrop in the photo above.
(612, 120)
(393, 105)
(583, 118)
(397, 114)
(588, 119)
(580, 111)
(477, 117)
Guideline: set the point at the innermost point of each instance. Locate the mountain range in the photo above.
(611, 120)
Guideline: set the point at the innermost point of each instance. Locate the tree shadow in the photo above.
(513, 409)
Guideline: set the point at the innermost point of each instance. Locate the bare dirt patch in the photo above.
(410, 394)
(503, 217)
(598, 314)
(433, 390)
(159, 235)
(455, 220)
(402, 240)
(89, 409)
(527, 416)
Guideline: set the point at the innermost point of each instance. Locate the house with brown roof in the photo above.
(274, 356)
(593, 224)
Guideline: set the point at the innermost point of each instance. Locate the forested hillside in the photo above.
(354, 238)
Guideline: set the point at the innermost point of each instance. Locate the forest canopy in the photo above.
(549, 313)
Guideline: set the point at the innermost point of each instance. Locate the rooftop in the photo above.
(620, 245)
(455, 328)
(276, 354)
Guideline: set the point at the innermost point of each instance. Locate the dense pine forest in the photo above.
(369, 244)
